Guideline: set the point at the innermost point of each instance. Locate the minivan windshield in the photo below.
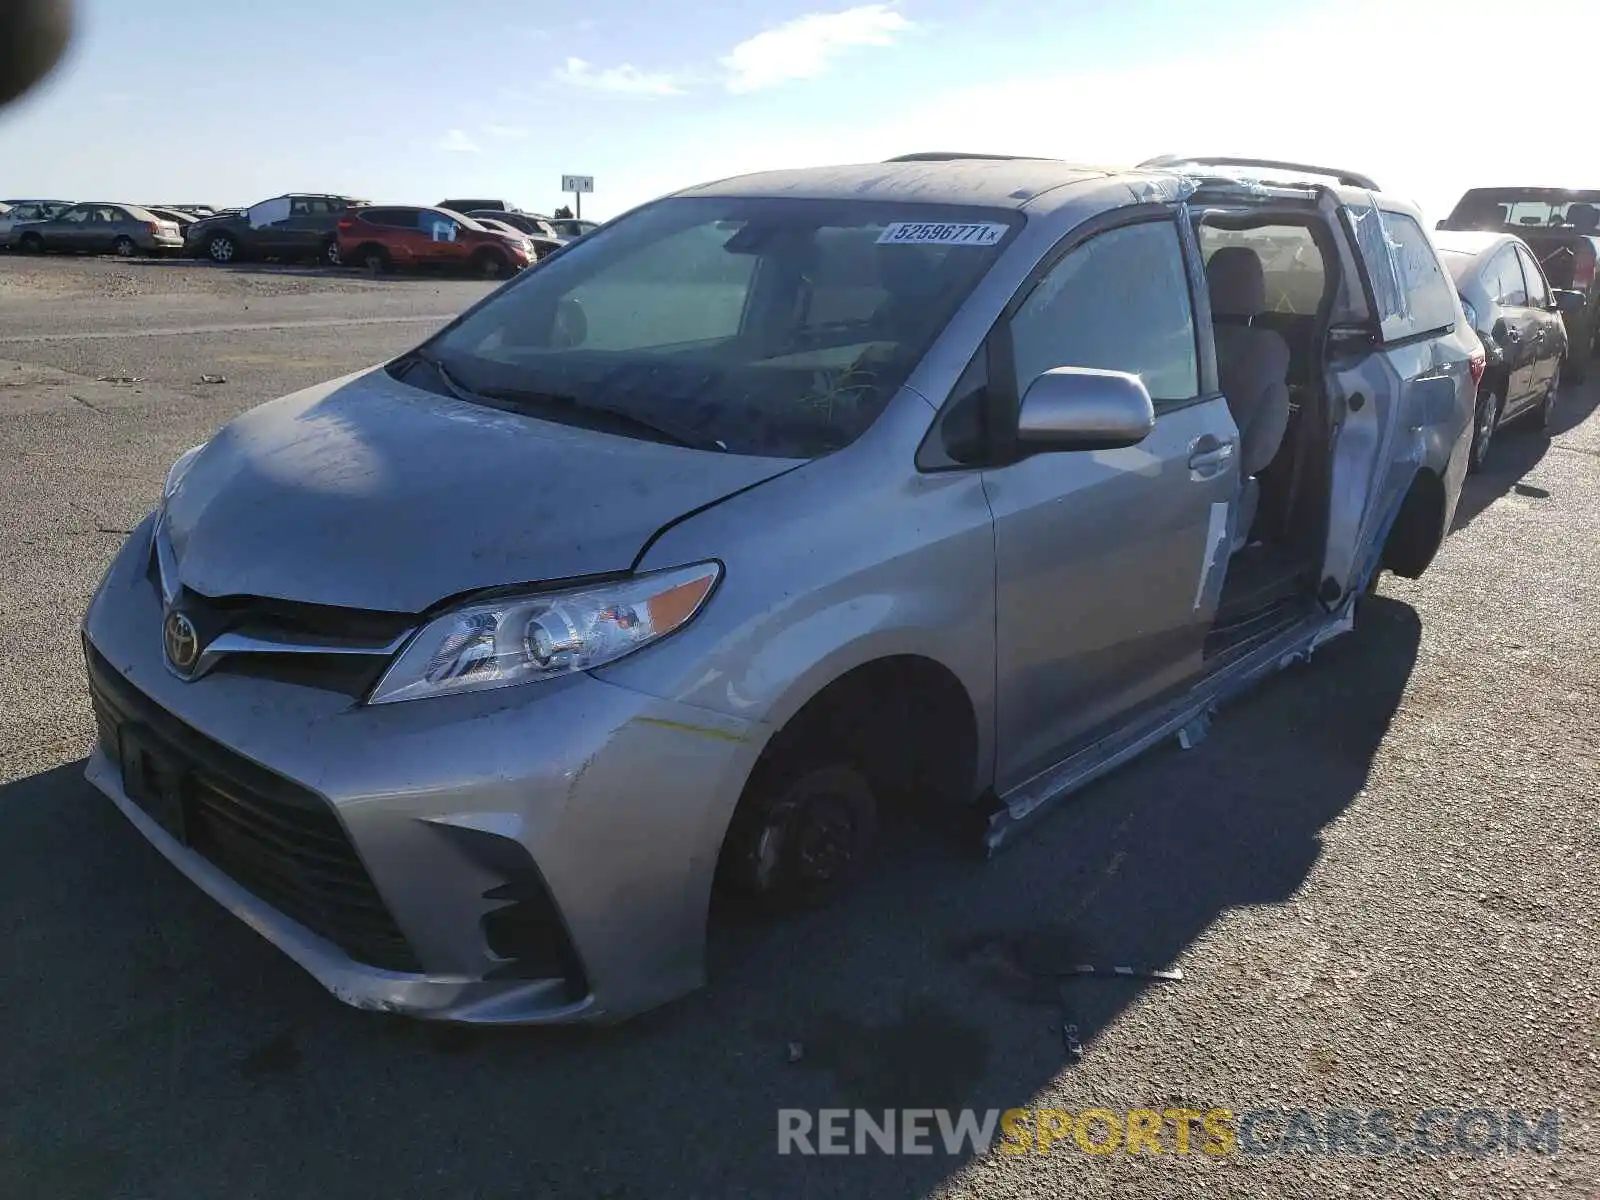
(757, 325)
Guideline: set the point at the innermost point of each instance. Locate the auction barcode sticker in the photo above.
(941, 233)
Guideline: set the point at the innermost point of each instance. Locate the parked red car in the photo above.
(382, 239)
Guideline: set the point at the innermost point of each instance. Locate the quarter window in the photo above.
(1427, 299)
(1119, 302)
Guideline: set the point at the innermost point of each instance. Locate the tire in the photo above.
(799, 837)
(30, 243)
(1485, 421)
(124, 247)
(222, 248)
(1551, 402)
(330, 256)
(373, 258)
(1579, 347)
(490, 264)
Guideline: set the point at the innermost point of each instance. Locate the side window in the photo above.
(299, 207)
(1429, 294)
(78, 215)
(437, 226)
(1538, 292)
(1119, 302)
(1503, 277)
(268, 212)
(683, 287)
(693, 255)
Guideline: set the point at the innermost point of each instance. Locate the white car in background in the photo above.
(20, 212)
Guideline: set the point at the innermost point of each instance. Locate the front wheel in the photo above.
(1485, 422)
(330, 253)
(799, 837)
(222, 249)
(31, 243)
(490, 265)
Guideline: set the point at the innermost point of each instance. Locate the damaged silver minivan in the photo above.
(949, 482)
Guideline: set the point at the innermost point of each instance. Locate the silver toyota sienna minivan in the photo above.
(949, 482)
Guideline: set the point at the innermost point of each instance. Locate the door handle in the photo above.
(1209, 456)
(1512, 336)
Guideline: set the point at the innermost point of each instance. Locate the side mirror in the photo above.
(1439, 225)
(1080, 408)
(1567, 301)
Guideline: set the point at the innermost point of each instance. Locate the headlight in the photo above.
(498, 643)
(178, 470)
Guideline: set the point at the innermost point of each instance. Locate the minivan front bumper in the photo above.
(539, 854)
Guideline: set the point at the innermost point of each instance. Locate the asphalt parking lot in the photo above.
(1377, 874)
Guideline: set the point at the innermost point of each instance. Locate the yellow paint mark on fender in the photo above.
(684, 727)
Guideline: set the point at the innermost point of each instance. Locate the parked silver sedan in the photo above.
(100, 228)
(951, 483)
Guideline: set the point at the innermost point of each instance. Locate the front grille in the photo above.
(368, 632)
(282, 842)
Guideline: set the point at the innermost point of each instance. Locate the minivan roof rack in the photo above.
(952, 155)
(1348, 178)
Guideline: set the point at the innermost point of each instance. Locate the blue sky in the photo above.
(228, 101)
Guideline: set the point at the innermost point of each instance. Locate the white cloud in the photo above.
(457, 142)
(807, 46)
(507, 132)
(626, 79)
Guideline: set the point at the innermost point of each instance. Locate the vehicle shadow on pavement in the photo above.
(1518, 448)
(158, 1048)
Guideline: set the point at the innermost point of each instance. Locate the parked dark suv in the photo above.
(299, 225)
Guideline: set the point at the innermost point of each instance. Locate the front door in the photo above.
(69, 231)
(268, 224)
(1108, 563)
(1544, 326)
(1386, 388)
(440, 239)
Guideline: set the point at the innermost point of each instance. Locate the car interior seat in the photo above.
(1252, 367)
(1584, 218)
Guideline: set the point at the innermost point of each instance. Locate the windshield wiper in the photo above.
(521, 400)
(662, 430)
(457, 389)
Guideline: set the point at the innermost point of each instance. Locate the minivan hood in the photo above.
(368, 493)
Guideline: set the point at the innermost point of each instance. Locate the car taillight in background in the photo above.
(1583, 265)
(1477, 363)
(346, 223)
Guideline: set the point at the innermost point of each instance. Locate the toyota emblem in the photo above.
(181, 641)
